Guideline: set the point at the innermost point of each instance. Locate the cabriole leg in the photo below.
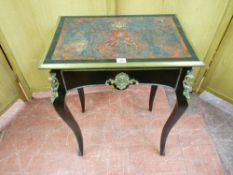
(152, 96)
(82, 98)
(183, 95)
(177, 112)
(58, 101)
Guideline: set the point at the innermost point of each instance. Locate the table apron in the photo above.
(75, 79)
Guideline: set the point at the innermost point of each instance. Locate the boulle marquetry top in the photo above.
(97, 42)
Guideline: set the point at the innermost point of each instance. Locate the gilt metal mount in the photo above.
(187, 84)
(54, 86)
(121, 81)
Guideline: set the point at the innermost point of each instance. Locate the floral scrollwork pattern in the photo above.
(121, 81)
(187, 84)
(54, 86)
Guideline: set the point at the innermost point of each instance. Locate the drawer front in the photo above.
(74, 79)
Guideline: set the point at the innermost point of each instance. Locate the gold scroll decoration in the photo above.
(121, 81)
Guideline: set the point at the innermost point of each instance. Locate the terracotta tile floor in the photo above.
(121, 137)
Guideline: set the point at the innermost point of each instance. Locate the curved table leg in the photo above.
(62, 109)
(58, 101)
(183, 89)
(82, 98)
(152, 96)
(177, 112)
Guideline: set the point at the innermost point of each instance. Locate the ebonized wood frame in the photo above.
(70, 79)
